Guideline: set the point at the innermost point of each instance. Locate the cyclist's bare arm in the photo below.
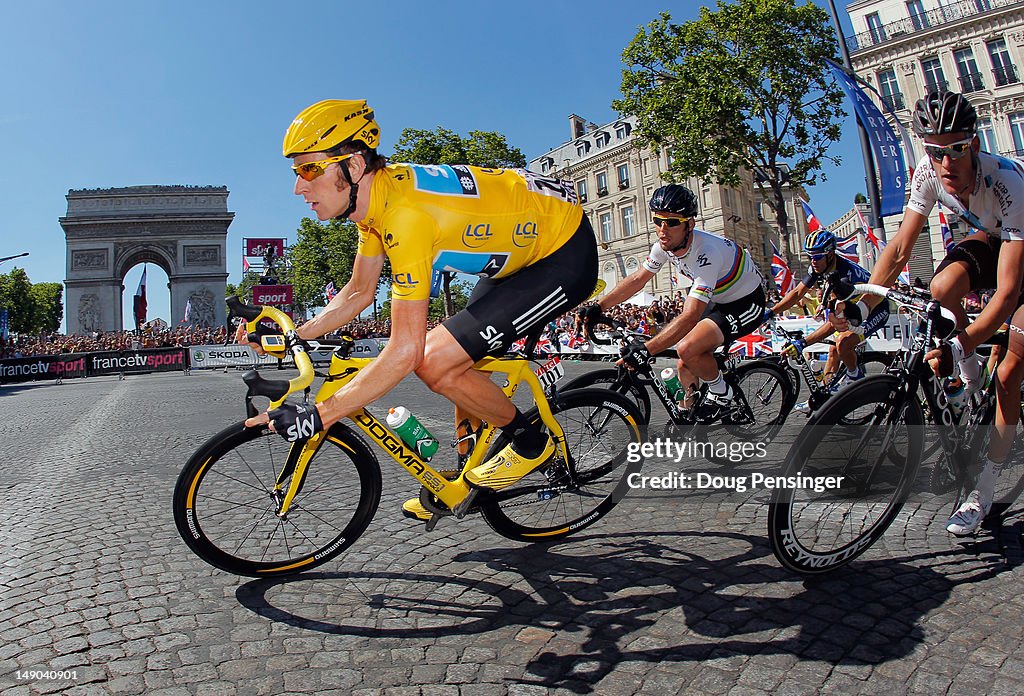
(355, 296)
(627, 287)
(676, 329)
(791, 298)
(400, 357)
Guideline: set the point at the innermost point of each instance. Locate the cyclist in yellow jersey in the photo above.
(523, 234)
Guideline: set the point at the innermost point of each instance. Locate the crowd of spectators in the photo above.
(25, 346)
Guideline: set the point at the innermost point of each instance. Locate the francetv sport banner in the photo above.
(92, 364)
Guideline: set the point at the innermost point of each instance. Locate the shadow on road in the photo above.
(663, 597)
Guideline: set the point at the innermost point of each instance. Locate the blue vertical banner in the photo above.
(436, 280)
(3, 325)
(889, 161)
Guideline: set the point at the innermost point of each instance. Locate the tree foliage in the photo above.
(30, 308)
(324, 252)
(460, 291)
(745, 85)
(443, 146)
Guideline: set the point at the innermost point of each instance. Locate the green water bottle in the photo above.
(671, 380)
(412, 432)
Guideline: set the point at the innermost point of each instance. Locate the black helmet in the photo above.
(943, 112)
(675, 199)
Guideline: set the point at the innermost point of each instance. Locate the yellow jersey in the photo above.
(485, 222)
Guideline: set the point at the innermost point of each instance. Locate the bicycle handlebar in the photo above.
(276, 390)
(917, 301)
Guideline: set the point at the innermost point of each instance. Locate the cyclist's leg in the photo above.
(849, 340)
(971, 265)
(501, 312)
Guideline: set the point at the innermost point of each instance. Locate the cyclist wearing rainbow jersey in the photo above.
(524, 235)
(726, 300)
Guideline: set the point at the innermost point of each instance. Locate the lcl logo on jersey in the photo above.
(476, 236)
(524, 234)
(403, 283)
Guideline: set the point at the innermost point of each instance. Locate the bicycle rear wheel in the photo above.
(225, 505)
(610, 378)
(767, 395)
(564, 497)
(814, 531)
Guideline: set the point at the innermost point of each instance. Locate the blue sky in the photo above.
(108, 94)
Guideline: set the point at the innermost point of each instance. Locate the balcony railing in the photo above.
(894, 101)
(921, 22)
(935, 86)
(971, 82)
(1006, 75)
(1017, 154)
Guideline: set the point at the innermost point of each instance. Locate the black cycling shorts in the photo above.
(982, 259)
(738, 318)
(505, 309)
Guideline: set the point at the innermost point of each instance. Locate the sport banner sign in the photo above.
(42, 367)
(150, 360)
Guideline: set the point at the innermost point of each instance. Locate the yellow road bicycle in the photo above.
(250, 503)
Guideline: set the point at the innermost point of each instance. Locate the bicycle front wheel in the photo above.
(844, 482)
(610, 378)
(226, 502)
(565, 496)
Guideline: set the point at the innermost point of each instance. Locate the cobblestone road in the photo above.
(673, 592)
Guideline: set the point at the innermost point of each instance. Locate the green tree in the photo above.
(442, 146)
(743, 86)
(325, 251)
(16, 298)
(460, 291)
(48, 306)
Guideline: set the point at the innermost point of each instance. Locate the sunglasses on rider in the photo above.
(954, 150)
(670, 222)
(312, 170)
(818, 257)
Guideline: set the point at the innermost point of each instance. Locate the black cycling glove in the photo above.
(636, 357)
(295, 423)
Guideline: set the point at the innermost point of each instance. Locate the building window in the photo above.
(628, 222)
(608, 274)
(623, 171)
(1003, 68)
(602, 184)
(581, 190)
(915, 8)
(632, 264)
(1017, 133)
(602, 139)
(582, 148)
(875, 28)
(934, 79)
(607, 234)
(890, 89)
(967, 70)
(622, 131)
(987, 136)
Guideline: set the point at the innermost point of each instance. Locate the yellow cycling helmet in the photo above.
(329, 124)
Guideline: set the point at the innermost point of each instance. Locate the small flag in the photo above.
(188, 311)
(780, 270)
(947, 234)
(330, 291)
(751, 345)
(139, 300)
(245, 265)
(847, 248)
(812, 222)
(905, 275)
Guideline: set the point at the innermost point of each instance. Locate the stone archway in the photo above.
(181, 229)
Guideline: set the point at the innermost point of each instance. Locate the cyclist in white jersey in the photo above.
(726, 300)
(987, 193)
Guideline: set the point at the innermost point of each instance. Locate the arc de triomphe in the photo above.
(181, 229)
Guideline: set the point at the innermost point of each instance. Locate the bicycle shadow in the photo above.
(662, 597)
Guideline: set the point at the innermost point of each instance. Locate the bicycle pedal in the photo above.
(463, 508)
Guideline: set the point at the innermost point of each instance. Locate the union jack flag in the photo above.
(780, 270)
(752, 345)
(812, 222)
(330, 291)
(847, 248)
(578, 342)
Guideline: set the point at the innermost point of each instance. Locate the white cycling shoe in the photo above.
(968, 518)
